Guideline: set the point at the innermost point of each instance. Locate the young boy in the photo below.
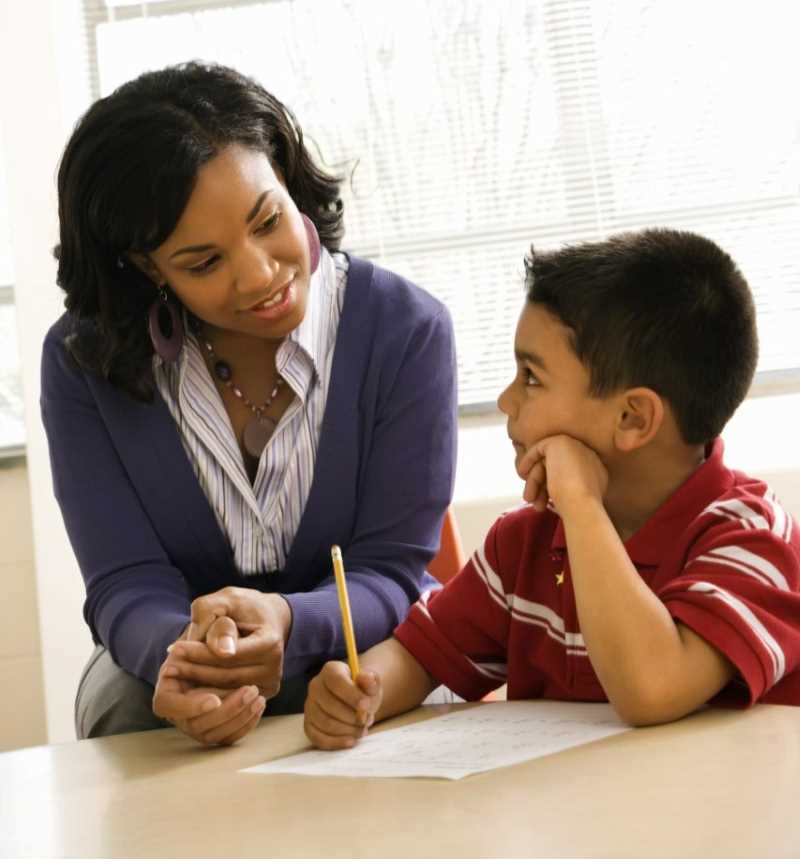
(644, 571)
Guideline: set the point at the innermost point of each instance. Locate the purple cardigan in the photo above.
(147, 541)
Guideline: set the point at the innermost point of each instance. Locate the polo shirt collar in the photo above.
(649, 544)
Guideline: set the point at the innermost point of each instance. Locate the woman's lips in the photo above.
(277, 305)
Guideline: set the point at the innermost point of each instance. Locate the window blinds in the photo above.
(469, 130)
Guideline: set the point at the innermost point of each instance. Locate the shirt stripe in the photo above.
(525, 610)
(782, 521)
(738, 511)
(758, 629)
(746, 562)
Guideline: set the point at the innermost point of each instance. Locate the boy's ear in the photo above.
(640, 416)
(147, 267)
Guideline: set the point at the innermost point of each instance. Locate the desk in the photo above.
(717, 784)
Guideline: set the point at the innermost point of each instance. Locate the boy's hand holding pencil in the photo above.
(342, 701)
(338, 711)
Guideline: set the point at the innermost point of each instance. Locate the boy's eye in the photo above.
(528, 378)
(204, 266)
(266, 225)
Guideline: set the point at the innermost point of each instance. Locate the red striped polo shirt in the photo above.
(721, 553)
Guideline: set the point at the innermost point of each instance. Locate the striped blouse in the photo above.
(261, 519)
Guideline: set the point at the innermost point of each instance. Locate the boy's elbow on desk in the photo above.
(640, 714)
(665, 689)
(655, 703)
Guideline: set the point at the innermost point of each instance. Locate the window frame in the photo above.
(10, 451)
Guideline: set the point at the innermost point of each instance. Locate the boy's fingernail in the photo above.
(250, 695)
(208, 705)
(227, 644)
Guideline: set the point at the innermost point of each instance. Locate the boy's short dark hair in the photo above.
(663, 309)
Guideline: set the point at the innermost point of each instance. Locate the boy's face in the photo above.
(549, 394)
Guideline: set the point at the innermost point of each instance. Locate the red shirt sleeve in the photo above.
(459, 634)
(740, 590)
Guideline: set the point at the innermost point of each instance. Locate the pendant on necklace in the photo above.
(257, 432)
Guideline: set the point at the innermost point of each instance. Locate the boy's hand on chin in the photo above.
(563, 469)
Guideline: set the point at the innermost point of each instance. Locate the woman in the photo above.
(226, 397)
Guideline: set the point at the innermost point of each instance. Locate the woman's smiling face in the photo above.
(238, 258)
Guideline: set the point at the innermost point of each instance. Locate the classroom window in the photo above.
(469, 129)
(12, 429)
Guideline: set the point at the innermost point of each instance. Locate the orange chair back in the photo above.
(450, 558)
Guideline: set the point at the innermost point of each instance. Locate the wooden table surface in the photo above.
(717, 784)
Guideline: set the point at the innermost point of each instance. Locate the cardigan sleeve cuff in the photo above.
(315, 622)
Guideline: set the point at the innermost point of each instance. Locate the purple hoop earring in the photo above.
(313, 242)
(165, 324)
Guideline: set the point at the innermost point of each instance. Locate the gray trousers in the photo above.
(111, 701)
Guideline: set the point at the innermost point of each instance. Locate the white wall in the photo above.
(42, 95)
(22, 702)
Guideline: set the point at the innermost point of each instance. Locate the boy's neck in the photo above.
(644, 479)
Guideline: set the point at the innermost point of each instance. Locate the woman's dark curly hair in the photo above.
(124, 180)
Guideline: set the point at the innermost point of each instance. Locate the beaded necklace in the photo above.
(259, 429)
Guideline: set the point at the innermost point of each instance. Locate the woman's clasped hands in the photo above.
(218, 676)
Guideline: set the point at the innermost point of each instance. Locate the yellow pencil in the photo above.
(344, 605)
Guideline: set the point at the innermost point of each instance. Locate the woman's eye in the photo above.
(269, 223)
(204, 266)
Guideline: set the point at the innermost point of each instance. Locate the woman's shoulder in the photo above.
(379, 293)
(67, 325)
(60, 328)
(57, 357)
(60, 374)
(55, 341)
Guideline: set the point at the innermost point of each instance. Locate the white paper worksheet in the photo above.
(461, 743)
